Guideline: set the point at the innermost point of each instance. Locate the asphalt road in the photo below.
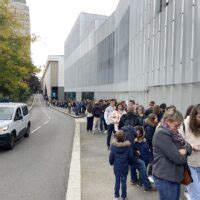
(38, 167)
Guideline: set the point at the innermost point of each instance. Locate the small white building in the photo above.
(53, 77)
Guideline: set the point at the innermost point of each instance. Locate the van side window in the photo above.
(25, 110)
(18, 113)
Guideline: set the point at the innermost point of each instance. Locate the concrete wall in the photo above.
(143, 51)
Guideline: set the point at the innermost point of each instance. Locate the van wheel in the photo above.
(28, 130)
(11, 142)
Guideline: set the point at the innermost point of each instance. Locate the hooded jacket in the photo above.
(142, 146)
(121, 157)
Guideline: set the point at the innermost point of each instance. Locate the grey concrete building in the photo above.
(53, 77)
(146, 50)
(21, 12)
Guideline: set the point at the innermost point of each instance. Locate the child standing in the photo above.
(121, 158)
(140, 145)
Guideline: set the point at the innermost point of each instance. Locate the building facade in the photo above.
(53, 78)
(21, 12)
(146, 50)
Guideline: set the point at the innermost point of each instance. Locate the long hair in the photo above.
(193, 123)
(189, 110)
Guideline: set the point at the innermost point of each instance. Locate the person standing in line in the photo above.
(150, 109)
(169, 159)
(150, 127)
(89, 116)
(120, 157)
(110, 125)
(116, 115)
(191, 133)
(157, 112)
(96, 112)
(140, 112)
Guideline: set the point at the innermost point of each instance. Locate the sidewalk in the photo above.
(65, 111)
(97, 179)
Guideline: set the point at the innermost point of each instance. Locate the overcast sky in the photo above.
(52, 21)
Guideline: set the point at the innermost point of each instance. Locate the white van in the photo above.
(14, 123)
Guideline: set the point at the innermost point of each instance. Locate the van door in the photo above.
(25, 115)
(18, 122)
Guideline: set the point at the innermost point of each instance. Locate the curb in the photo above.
(74, 181)
(31, 106)
(74, 116)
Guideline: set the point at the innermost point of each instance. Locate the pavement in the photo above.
(65, 111)
(97, 178)
(38, 167)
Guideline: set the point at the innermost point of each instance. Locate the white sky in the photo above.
(52, 21)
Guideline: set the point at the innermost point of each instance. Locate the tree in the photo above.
(15, 61)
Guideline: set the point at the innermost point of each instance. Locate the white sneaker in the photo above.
(151, 179)
(186, 195)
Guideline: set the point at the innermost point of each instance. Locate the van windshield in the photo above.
(6, 113)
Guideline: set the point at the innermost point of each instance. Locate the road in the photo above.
(38, 167)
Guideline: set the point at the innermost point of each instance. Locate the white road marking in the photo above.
(49, 118)
(46, 122)
(36, 129)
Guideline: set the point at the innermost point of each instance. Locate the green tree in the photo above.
(15, 61)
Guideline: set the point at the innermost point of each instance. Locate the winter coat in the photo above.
(129, 119)
(148, 111)
(96, 111)
(149, 132)
(143, 148)
(142, 119)
(121, 157)
(168, 162)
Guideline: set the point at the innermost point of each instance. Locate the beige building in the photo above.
(53, 77)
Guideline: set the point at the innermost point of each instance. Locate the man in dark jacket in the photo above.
(96, 111)
(129, 119)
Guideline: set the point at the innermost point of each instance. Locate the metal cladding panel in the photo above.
(187, 41)
(196, 54)
(178, 37)
(170, 43)
(144, 48)
(162, 57)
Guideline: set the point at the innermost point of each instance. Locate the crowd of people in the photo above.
(157, 141)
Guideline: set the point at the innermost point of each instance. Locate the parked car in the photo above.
(14, 123)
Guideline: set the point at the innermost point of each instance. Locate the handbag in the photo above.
(187, 177)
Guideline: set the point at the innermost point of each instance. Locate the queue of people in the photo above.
(155, 142)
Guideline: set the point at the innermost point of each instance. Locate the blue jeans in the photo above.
(103, 125)
(194, 188)
(141, 167)
(119, 179)
(167, 190)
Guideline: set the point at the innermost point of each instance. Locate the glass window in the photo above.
(6, 113)
(18, 113)
(25, 110)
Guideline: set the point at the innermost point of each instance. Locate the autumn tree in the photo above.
(16, 67)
